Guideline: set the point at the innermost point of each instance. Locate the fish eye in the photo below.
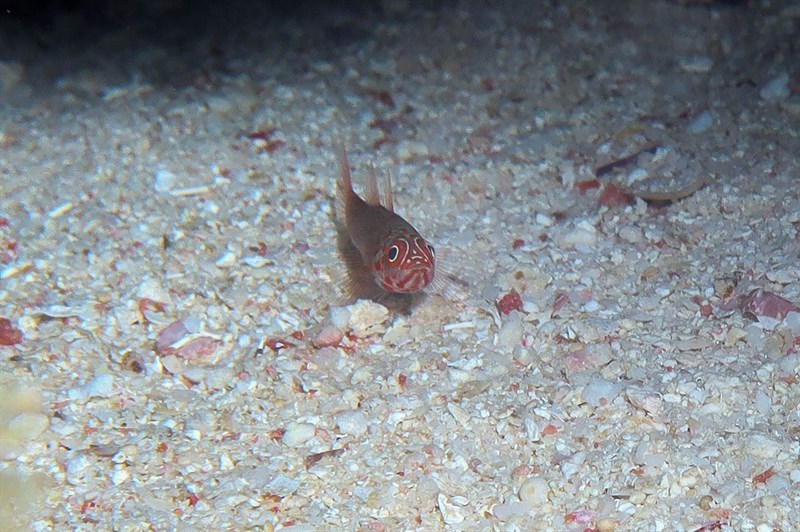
(394, 251)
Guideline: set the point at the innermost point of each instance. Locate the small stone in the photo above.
(28, 426)
(777, 89)
(584, 234)
(534, 491)
(701, 123)
(120, 475)
(778, 485)
(328, 336)
(227, 260)
(506, 512)
(77, 468)
(606, 524)
(340, 317)
(510, 333)
(792, 105)
(165, 180)
(451, 512)
(282, 486)
(459, 414)
(353, 423)
(101, 386)
(631, 234)
(407, 150)
(734, 335)
(296, 434)
(367, 318)
(697, 64)
(544, 219)
(600, 392)
(705, 502)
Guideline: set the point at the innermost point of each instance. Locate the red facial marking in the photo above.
(406, 265)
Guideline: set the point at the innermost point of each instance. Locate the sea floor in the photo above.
(614, 185)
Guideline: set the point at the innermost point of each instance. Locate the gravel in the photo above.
(612, 191)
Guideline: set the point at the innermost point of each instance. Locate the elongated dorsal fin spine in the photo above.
(388, 195)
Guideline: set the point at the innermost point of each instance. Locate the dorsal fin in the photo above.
(346, 182)
(372, 197)
(388, 195)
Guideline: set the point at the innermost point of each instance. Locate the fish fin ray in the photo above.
(344, 185)
(388, 195)
(372, 197)
(448, 280)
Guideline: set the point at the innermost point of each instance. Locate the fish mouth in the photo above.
(413, 280)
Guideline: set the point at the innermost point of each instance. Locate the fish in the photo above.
(385, 257)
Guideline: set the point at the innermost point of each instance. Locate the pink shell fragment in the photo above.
(9, 335)
(329, 336)
(759, 302)
(169, 335)
(197, 348)
(583, 516)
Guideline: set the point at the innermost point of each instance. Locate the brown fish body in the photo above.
(368, 225)
(383, 253)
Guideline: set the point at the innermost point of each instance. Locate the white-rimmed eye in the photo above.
(394, 251)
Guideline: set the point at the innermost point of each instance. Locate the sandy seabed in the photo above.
(616, 183)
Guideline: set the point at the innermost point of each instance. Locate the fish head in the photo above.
(405, 264)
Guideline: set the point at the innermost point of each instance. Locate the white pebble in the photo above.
(631, 234)
(296, 434)
(600, 392)
(702, 122)
(510, 333)
(77, 469)
(352, 422)
(763, 402)
(409, 149)
(544, 219)
(227, 260)
(584, 235)
(256, 261)
(776, 89)
(101, 386)
(506, 512)
(778, 485)
(282, 485)
(591, 306)
(193, 434)
(697, 64)
(225, 462)
(534, 491)
(367, 318)
(28, 426)
(165, 180)
(793, 322)
(340, 317)
(451, 513)
(120, 475)
(459, 414)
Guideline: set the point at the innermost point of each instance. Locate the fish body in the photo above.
(384, 255)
